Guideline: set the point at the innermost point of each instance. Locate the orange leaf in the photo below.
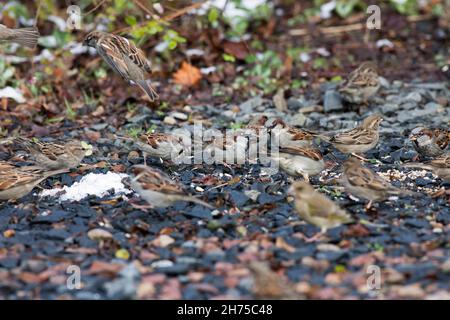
(187, 75)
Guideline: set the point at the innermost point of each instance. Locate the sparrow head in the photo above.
(300, 188)
(372, 121)
(79, 148)
(418, 132)
(351, 162)
(262, 120)
(277, 121)
(91, 39)
(368, 66)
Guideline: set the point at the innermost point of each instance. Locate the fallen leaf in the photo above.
(99, 234)
(282, 244)
(187, 75)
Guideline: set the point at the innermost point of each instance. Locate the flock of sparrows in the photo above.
(297, 154)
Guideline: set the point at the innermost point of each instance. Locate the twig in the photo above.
(38, 10)
(329, 30)
(150, 12)
(182, 11)
(353, 27)
(167, 18)
(95, 8)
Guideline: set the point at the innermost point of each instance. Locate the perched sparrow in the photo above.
(53, 156)
(317, 209)
(358, 140)
(158, 189)
(162, 145)
(16, 182)
(124, 57)
(300, 161)
(26, 37)
(361, 84)
(364, 183)
(289, 136)
(269, 285)
(430, 142)
(440, 166)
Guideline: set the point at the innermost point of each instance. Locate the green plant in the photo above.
(6, 72)
(264, 70)
(407, 7)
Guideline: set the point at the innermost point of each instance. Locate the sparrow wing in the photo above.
(110, 52)
(135, 54)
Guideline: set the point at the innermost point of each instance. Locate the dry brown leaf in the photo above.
(187, 75)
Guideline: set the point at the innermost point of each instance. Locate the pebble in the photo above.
(332, 101)
(179, 116)
(170, 120)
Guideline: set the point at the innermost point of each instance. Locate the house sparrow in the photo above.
(358, 140)
(289, 136)
(300, 161)
(26, 37)
(361, 84)
(267, 284)
(227, 149)
(162, 145)
(430, 142)
(123, 57)
(53, 156)
(16, 182)
(158, 189)
(317, 209)
(440, 166)
(364, 183)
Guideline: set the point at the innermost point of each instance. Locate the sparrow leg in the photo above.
(317, 237)
(304, 175)
(144, 155)
(359, 157)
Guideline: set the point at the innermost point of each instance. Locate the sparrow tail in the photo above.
(26, 37)
(196, 200)
(148, 89)
(417, 165)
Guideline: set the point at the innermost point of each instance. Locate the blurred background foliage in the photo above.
(245, 42)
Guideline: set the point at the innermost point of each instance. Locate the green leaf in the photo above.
(131, 20)
(228, 57)
(345, 7)
(213, 15)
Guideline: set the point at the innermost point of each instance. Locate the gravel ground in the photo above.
(189, 252)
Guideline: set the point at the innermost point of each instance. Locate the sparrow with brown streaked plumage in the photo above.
(289, 136)
(440, 166)
(298, 161)
(430, 142)
(267, 284)
(123, 57)
(361, 84)
(358, 140)
(161, 145)
(158, 189)
(16, 182)
(364, 183)
(53, 156)
(27, 37)
(317, 209)
(227, 149)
